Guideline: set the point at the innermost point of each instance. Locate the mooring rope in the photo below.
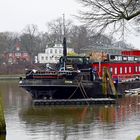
(74, 90)
(84, 89)
(83, 92)
(81, 87)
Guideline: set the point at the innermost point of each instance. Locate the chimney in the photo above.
(64, 47)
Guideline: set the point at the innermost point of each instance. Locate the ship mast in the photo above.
(64, 43)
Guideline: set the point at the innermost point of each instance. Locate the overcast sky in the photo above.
(16, 14)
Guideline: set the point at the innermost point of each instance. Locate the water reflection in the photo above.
(112, 122)
(68, 121)
(69, 114)
(83, 121)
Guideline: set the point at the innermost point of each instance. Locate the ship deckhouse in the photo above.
(122, 67)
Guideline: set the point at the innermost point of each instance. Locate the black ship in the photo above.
(76, 80)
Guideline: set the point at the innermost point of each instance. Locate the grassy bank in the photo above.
(11, 76)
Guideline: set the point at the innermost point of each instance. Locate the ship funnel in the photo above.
(64, 47)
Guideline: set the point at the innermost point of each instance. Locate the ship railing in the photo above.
(40, 82)
(69, 72)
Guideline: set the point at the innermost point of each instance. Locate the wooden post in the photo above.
(138, 138)
(2, 119)
(104, 84)
(2, 137)
(110, 80)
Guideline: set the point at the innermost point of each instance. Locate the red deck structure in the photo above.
(121, 67)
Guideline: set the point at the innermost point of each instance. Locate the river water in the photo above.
(25, 121)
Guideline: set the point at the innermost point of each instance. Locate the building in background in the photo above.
(16, 56)
(52, 54)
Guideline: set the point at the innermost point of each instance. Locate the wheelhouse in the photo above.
(76, 62)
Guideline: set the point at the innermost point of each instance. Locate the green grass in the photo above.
(138, 138)
(13, 76)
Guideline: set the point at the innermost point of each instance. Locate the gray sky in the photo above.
(16, 14)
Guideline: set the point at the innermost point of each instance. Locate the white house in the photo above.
(52, 54)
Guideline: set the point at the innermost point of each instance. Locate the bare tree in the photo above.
(100, 14)
(56, 30)
(79, 38)
(7, 42)
(29, 39)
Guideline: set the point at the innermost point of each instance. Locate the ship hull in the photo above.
(72, 89)
(62, 89)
